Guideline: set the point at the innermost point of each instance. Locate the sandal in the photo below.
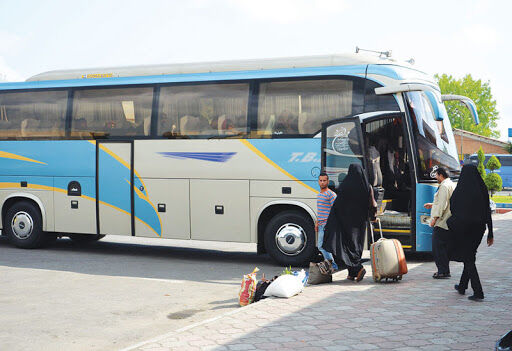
(350, 278)
(360, 275)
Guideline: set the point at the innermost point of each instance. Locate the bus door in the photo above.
(342, 145)
(114, 177)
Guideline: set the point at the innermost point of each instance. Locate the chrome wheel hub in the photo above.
(22, 225)
(291, 239)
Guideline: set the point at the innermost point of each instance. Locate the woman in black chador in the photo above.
(345, 228)
(470, 213)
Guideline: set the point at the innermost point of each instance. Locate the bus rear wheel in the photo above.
(23, 225)
(290, 238)
(85, 238)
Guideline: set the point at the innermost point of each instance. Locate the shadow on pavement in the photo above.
(138, 260)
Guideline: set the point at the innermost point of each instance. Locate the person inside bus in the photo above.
(286, 123)
(470, 214)
(374, 158)
(345, 230)
(81, 124)
(440, 213)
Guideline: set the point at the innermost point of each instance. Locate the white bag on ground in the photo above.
(286, 285)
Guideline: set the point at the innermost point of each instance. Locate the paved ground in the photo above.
(116, 292)
(418, 313)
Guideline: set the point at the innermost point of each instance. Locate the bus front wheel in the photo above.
(290, 238)
(23, 225)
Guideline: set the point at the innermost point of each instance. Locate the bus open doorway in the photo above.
(389, 172)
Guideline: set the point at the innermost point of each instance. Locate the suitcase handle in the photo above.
(380, 229)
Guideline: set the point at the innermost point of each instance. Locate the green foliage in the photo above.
(480, 93)
(481, 155)
(287, 270)
(509, 148)
(493, 164)
(493, 182)
(481, 170)
(503, 199)
(480, 167)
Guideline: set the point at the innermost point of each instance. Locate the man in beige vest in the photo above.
(439, 214)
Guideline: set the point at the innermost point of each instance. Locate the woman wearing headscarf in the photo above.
(347, 222)
(470, 209)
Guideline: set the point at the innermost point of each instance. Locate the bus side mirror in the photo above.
(466, 102)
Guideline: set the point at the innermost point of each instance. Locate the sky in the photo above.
(453, 37)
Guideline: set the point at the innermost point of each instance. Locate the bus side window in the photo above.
(203, 111)
(112, 112)
(33, 114)
(300, 107)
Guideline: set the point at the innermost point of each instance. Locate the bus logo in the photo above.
(203, 156)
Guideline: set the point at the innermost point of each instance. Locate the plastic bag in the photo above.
(303, 275)
(287, 285)
(248, 288)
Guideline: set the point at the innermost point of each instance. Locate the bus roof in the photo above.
(492, 154)
(219, 66)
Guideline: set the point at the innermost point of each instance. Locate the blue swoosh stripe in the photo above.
(203, 156)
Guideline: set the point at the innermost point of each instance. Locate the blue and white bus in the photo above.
(505, 171)
(226, 151)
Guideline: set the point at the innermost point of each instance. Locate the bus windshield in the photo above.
(434, 139)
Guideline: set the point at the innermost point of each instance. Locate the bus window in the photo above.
(374, 102)
(112, 112)
(203, 110)
(300, 107)
(506, 161)
(432, 150)
(33, 114)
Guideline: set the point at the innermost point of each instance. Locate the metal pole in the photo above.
(461, 137)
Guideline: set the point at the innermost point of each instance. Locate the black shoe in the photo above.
(475, 298)
(441, 275)
(459, 290)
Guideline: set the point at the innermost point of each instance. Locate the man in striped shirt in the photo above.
(324, 202)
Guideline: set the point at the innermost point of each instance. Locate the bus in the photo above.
(225, 151)
(506, 167)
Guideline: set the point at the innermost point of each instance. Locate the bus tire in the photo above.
(290, 238)
(85, 238)
(23, 225)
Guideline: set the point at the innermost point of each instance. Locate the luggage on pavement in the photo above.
(287, 285)
(387, 256)
(316, 277)
(261, 287)
(248, 288)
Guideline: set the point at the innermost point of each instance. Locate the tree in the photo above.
(480, 93)
(493, 164)
(493, 182)
(481, 159)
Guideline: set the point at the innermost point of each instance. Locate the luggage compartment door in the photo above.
(219, 210)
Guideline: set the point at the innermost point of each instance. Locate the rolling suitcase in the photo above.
(388, 258)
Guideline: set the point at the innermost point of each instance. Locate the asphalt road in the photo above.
(116, 292)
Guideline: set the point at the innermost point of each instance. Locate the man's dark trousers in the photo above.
(440, 241)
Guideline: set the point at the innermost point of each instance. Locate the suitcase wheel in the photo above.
(376, 277)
